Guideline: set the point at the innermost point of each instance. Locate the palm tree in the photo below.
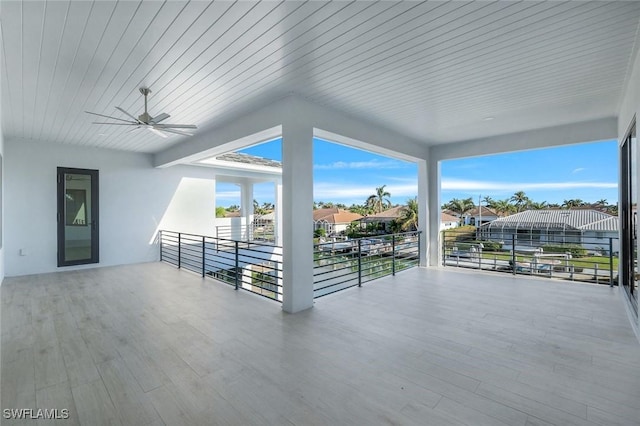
(379, 202)
(257, 209)
(408, 220)
(569, 204)
(503, 207)
(520, 200)
(361, 210)
(460, 207)
(353, 229)
(602, 202)
(537, 205)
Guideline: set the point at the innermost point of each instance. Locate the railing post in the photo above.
(595, 270)
(160, 241)
(179, 250)
(610, 262)
(360, 263)
(571, 271)
(513, 253)
(237, 263)
(203, 273)
(419, 250)
(444, 248)
(393, 254)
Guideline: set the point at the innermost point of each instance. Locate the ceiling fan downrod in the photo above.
(145, 117)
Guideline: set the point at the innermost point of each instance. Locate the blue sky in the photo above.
(347, 175)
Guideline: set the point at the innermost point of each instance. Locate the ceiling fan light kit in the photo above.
(146, 121)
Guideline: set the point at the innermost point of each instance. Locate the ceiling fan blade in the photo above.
(108, 116)
(125, 112)
(177, 126)
(131, 130)
(157, 132)
(115, 124)
(177, 132)
(160, 117)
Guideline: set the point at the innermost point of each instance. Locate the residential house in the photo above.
(382, 221)
(333, 220)
(479, 216)
(590, 228)
(448, 221)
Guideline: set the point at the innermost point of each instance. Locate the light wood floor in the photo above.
(150, 345)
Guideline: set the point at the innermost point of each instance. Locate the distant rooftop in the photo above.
(239, 157)
(565, 219)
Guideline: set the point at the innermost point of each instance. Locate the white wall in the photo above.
(135, 200)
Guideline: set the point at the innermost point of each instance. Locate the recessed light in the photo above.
(488, 118)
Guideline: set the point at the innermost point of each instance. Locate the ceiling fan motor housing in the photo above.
(145, 118)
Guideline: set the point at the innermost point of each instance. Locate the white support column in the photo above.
(433, 181)
(423, 211)
(277, 226)
(246, 200)
(297, 214)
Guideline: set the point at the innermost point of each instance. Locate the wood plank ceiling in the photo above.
(434, 71)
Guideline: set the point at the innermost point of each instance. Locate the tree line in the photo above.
(519, 202)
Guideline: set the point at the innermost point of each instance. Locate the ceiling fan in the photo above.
(148, 122)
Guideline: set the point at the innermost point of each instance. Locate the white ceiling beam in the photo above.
(265, 123)
(582, 132)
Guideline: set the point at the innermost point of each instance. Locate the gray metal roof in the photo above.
(608, 224)
(239, 157)
(564, 219)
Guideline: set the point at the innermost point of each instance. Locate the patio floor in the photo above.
(149, 344)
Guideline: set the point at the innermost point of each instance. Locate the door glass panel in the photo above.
(77, 214)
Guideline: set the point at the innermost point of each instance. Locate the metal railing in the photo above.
(342, 264)
(253, 232)
(589, 258)
(247, 265)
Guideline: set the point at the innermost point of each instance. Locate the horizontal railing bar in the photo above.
(355, 280)
(337, 277)
(335, 272)
(335, 291)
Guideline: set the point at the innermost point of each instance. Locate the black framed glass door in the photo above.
(629, 216)
(78, 230)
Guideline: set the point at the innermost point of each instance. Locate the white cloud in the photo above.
(228, 194)
(331, 191)
(360, 165)
(473, 185)
(578, 170)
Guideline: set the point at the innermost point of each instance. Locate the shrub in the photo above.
(320, 232)
(574, 249)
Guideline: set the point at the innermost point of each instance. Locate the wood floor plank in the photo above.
(94, 405)
(78, 362)
(132, 405)
(58, 397)
(49, 366)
